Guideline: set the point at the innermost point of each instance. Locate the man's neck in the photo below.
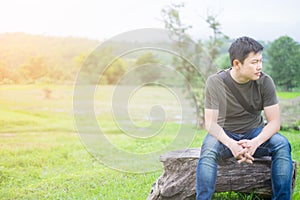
(237, 78)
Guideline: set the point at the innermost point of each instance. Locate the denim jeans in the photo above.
(213, 151)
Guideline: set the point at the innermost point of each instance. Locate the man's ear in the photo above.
(236, 64)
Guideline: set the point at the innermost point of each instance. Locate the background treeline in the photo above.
(28, 59)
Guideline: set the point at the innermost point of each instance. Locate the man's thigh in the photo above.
(275, 142)
(211, 145)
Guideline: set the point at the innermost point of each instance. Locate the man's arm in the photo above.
(212, 127)
(272, 114)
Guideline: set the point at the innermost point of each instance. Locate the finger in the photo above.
(241, 141)
(244, 143)
(249, 157)
(243, 159)
(249, 161)
(242, 152)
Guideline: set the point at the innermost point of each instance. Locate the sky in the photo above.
(101, 20)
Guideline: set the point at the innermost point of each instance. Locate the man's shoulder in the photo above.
(214, 77)
(264, 78)
(215, 81)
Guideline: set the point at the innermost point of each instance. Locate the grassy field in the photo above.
(43, 157)
(288, 95)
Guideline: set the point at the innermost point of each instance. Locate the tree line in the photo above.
(29, 59)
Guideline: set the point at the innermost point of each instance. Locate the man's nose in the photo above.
(259, 66)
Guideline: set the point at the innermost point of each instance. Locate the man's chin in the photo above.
(255, 77)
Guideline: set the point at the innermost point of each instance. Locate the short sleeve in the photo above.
(269, 92)
(214, 92)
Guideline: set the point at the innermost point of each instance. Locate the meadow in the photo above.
(42, 155)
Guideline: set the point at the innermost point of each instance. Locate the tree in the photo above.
(100, 66)
(215, 42)
(34, 69)
(115, 71)
(150, 73)
(4, 72)
(284, 56)
(203, 54)
(7, 75)
(223, 61)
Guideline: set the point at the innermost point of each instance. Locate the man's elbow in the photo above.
(275, 124)
(208, 126)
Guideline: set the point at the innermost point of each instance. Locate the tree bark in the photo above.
(178, 181)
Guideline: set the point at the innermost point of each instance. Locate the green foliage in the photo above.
(8, 75)
(223, 61)
(172, 21)
(148, 61)
(20, 54)
(115, 71)
(34, 69)
(284, 56)
(235, 196)
(217, 39)
(187, 49)
(146, 58)
(202, 54)
(100, 66)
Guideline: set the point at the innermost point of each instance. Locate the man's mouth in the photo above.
(258, 73)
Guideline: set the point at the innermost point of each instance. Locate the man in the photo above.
(236, 131)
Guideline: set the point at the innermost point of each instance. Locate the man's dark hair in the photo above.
(241, 48)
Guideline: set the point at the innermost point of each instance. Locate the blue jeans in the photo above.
(213, 151)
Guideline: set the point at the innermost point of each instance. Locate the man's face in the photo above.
(251, 68)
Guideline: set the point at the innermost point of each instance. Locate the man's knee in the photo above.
(280, 142)
(210, 145)
(209, 150)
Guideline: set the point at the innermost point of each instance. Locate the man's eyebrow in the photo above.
(257, 59)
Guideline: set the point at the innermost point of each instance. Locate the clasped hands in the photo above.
(244, 150)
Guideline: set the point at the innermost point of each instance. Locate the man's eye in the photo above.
(256, 61)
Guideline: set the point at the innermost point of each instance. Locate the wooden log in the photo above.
(178, 181)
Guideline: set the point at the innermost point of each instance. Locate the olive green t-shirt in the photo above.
(232, 116)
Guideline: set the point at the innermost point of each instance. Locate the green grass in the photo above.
(42, 155)
(288, 95)
(54, 165)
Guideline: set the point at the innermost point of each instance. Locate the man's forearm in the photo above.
(273, 116)
(268, 131)
(212, 127)
(217, 131)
